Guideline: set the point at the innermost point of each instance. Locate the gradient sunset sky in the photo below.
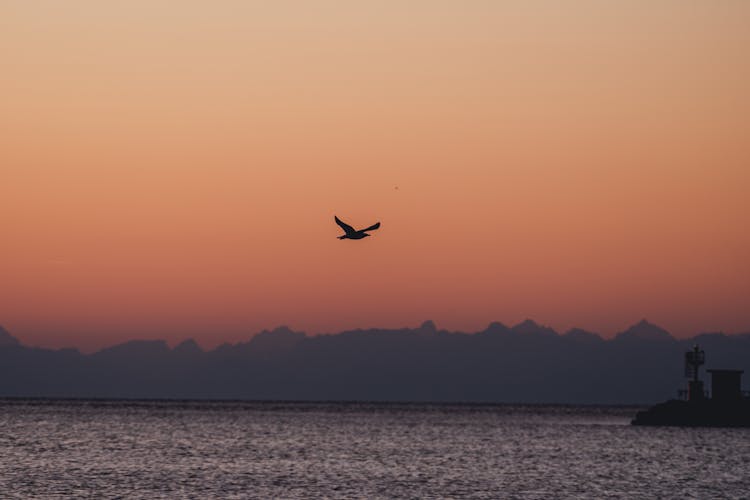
(172, 169)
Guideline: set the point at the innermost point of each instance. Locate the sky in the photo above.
(172, 169)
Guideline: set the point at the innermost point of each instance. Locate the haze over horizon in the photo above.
(173, 172)
(642, 329)
(525, 363)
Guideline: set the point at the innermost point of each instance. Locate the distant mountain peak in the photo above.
(135, 348)
(643, 330)
(188, 346)
(426, 329)
(279, 338)
(527, 323)
(282, 330)
(495, 328)
(496, 324)
(581, 335)
(428, 325)
(6, 339)
(531, 327)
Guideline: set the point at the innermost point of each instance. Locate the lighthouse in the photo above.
(693, 361)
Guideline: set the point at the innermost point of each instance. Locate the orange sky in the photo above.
(171, 169)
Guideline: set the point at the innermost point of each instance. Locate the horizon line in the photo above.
(427, 324)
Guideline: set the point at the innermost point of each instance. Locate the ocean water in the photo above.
(172, 449)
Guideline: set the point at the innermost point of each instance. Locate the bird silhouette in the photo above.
(353, 234)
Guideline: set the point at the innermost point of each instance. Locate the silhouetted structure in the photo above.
(726, 385)
(725, 408)
(693, 361)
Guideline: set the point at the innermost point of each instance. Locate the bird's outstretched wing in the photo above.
(371, 228)
(346, 227)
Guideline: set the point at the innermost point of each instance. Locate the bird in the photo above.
(353, 234)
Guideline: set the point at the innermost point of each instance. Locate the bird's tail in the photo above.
(341, 237)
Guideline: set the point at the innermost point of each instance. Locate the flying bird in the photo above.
(353, 234)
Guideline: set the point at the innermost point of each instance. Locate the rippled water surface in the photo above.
(96, 449)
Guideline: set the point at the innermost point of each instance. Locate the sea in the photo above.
(233, 449)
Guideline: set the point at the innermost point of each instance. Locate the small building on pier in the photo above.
(726, 385)
(726, 406)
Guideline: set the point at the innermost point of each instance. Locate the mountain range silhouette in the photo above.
(526, 363)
